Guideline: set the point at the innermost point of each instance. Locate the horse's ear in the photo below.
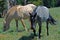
(35, 14)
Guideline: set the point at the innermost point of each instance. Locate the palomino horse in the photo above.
(39, 15)
(18, 12)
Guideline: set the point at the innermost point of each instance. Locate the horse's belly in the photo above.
(26, 16)
(16, 16)
(44, 19)
(21, 17)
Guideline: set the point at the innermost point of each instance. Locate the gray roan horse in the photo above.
(18, 12)
(39, 15)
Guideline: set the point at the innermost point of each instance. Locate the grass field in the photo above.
(54, 30)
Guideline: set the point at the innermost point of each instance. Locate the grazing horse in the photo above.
(18, 12)
(39, 15)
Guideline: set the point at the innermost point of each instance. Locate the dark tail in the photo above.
(52, 20)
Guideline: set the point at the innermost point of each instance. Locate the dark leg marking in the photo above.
(16, 25)
(40, 24)
(47, 27)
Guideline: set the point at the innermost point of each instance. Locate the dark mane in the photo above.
(34, 11)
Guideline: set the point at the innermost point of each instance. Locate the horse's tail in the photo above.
(52, 20)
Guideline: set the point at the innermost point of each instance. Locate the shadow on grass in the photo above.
(16, 31)
(12, 31)
(30, 37)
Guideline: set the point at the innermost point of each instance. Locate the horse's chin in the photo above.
(5, 28)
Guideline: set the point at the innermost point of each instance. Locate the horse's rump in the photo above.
(43, 12)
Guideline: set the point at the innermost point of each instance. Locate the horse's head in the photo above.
(33, 20)
(5, 26)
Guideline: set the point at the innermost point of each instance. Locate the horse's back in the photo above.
(19, 11)
(25, 10)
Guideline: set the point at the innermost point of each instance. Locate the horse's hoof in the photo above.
(26, 30)
(4, 30)
(29, 30)
(17, 30)
(38, 38)
(35, 34)
(47, 34)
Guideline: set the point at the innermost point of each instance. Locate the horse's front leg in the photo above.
(40, 24)
(47, 27)
(22, 21)
(39, 29)
(34, 31)
(16, 25)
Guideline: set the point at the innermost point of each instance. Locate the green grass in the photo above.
(54, 30)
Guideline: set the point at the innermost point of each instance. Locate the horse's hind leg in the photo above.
(39, 29)
(22, 21)
(16, 25)
(47, 27)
